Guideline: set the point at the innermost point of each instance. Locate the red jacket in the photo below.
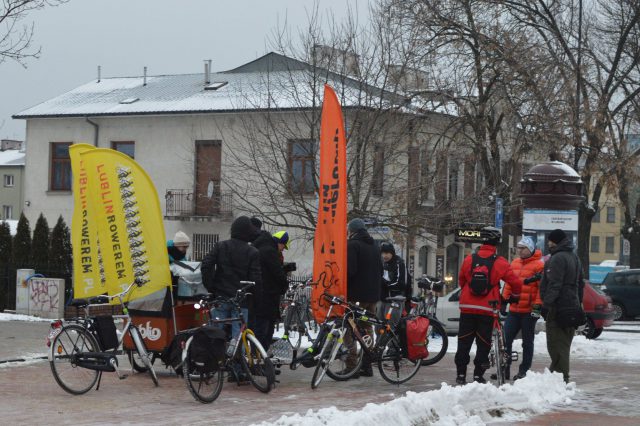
(530, 294)
(501, 270)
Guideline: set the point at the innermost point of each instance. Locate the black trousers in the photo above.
(263, 329)
(478, 328)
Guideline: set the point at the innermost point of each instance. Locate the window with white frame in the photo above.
(7, 212)
(8, 180)
(202, 244)
(454, 187)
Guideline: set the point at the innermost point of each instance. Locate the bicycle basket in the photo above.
(208, 348)
(437, 286)
(105, 329)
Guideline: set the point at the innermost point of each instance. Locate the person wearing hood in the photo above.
(177, 248)
(562, 286)
(395, 279)
(229, 262)
(524, 311)
(274, 283)
(364, 280)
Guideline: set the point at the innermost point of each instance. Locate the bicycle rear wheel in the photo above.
(437, 343)
(145, 356)
(498, 349)
(73, 340)
(257, 365)
(204, 386)
(393, 365)
(342, 368)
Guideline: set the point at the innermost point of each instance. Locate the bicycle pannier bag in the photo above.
(106, 331)
(572, 316)
(208, 348)
(172, 357)
(481, 274)
(416, 337)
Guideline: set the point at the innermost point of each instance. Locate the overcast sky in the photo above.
(123, 36)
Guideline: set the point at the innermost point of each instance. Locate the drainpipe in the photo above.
(97, 130)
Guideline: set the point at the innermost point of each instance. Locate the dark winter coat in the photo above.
(274, 279)
(560, 287)
(397, 273)
(232, 261)
(501, 270)
(364, 269)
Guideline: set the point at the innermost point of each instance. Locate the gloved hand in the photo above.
(513, 299)
(535, 310)
(503, 308)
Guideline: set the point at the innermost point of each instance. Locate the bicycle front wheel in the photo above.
(348, 359)
(393, 365)
(144, 355)
(73, 340)
(204, 386)
(257, 366)
(437, 343)
(136, 362)
(498, 349)
(324, 360)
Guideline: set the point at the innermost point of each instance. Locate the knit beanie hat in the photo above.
(557, 235)
(181, 239)
(356, 225)
(528, 243)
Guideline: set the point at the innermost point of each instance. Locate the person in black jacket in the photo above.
(230, 262)
(364, 280)
(562, 286)
(394, 278)
(274, 284)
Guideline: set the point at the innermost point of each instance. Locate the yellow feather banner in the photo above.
(88, 273)
(125, 205)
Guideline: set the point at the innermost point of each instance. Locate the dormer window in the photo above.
(215, 85)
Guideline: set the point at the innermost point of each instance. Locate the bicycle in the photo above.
(205, 386)
(498, 356)
(425, 304)
(298, 318)
(76, 357)
(388, 350)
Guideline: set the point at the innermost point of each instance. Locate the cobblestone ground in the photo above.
(29, 395)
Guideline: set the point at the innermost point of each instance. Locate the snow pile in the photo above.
(610, 345)
(19, 317)
(472, 404)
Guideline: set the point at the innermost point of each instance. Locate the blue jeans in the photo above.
(228, 310)
(516, 322)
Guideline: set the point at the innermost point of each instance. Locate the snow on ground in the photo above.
(472, 404)
(19, 317)
(26, 359)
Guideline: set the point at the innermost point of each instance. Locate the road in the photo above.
(29, 395)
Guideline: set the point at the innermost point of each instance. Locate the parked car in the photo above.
(599, 310)
(623, 287)
(597, 306)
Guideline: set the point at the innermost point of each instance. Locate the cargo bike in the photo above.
(82, 348)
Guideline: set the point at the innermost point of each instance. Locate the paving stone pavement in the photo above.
(29, 395)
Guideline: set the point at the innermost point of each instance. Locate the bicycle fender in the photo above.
(186, 349)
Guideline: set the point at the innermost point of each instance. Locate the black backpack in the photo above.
(208, 348)
(481, 274)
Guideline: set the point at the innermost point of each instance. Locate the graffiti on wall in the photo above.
(44, 295)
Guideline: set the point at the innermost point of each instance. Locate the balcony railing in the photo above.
(184, 204)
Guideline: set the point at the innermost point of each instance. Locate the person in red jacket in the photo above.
(525, 310)
(476, 315)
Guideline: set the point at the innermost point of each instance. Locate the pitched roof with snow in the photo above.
(12, 157)
(271, 82)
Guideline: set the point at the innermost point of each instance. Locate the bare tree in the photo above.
(15, 35)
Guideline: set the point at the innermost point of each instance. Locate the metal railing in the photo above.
(182, 203)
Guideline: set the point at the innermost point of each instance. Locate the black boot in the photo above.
(461, 379)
